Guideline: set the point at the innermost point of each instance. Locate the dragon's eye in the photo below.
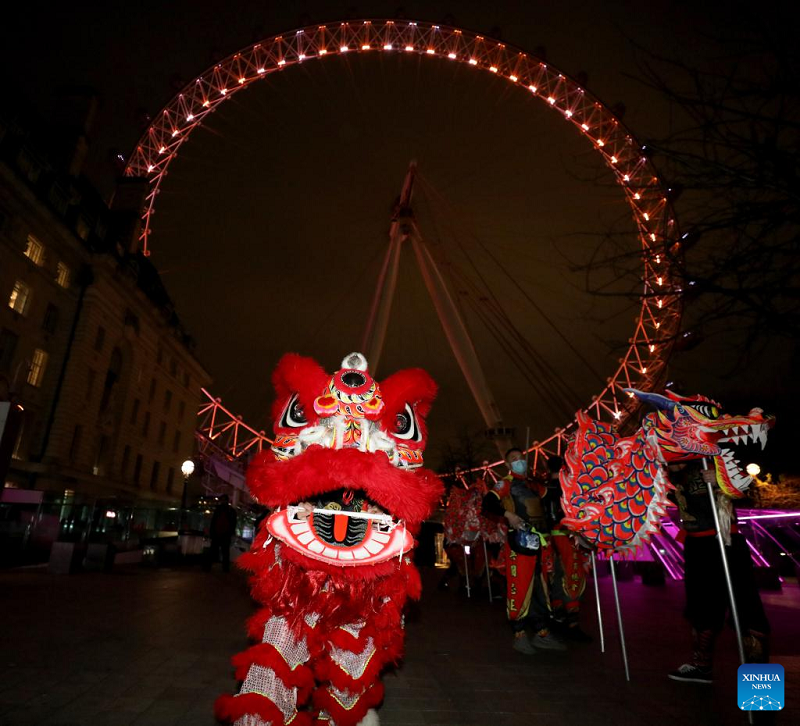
(708, 411)
(293, 416)
(405, 425)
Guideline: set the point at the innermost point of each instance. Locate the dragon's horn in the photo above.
(654, 399)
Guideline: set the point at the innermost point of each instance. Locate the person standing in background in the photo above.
(221, 530)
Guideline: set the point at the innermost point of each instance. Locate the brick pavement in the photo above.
(143, 647)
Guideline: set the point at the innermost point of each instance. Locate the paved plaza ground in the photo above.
(151, 647)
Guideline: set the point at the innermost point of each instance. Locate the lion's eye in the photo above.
(293, 416)
(406, 426)
(403, 424)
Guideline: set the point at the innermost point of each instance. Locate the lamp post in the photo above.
(187, 469)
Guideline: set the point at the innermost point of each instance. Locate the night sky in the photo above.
(272, 224)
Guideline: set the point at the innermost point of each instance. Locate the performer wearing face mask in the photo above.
(516, 501)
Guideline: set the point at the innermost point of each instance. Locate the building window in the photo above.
(99, 468)
(152, 393)
(126, 458)
(38, 365)
(75, 445)
(135, 411)
(8, 344)
(82, 228)
(100, 338)
(186, 379)
(160, 357)
(137, 469)
(50, 320)
(173, 367)
(63, 275)
(90, 379)
(176, 442)
(112, 378)
(170, 479)
(146, 427)
(59, 199)
(132, 321)
(162, 432)
(167, 400)
(154, 475)
(35, 251)
(20, 296)
(181, 410)
(28, 166)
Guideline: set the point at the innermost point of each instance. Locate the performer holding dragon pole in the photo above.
(615, 491)
(331, 565)
(516, 501)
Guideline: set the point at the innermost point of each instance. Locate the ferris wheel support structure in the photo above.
(404, 229)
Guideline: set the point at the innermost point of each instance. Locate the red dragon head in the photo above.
(352, 448)
(693, 427)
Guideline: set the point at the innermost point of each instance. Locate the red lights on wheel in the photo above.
(658, 318)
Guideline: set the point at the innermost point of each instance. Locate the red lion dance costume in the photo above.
(331, 565)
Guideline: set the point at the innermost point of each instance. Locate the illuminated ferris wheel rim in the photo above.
(659, 316)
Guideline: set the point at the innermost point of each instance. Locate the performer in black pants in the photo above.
(707, 601)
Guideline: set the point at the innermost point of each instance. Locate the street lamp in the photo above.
(753, 469)
(187, 469)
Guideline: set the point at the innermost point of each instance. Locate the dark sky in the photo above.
(271, 226)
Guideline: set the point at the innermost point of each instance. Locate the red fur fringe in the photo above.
(354, 573)
(327, 670)
(323, 700)
(301, 375)
(266, 655)
(230, 708)
(408, 495)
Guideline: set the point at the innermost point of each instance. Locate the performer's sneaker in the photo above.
(522, 643)
(691, 674)
(545, 640)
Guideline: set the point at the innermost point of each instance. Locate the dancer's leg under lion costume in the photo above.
(331, 565)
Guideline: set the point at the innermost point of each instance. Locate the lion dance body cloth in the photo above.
(331, 565)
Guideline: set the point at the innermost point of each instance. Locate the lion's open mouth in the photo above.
(343, 528)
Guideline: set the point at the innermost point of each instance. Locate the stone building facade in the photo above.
(90, 344)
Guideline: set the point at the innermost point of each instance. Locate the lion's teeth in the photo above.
(305, 537)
